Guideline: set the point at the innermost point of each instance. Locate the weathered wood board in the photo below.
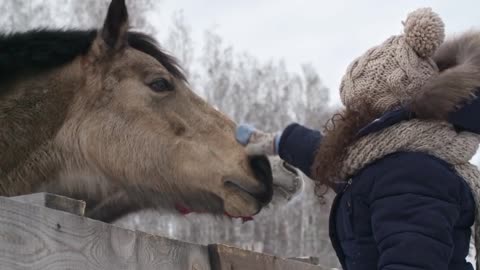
(228, 258)
(54, 202)
(34, 237)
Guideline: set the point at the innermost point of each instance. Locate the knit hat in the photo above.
(388, 75)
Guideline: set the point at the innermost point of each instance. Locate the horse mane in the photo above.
(41, 50)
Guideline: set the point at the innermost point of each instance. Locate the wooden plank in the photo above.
(310, 260)
(37, 238)
(54, 201)
(227, 258)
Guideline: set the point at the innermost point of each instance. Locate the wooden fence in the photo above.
(46, 231)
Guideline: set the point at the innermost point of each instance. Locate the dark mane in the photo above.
(39, 50)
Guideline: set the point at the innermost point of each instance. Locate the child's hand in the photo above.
(287, 182)
(257, 142)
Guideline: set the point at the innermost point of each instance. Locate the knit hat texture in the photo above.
(388, 75)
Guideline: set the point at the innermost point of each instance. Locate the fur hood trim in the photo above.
(458, 60)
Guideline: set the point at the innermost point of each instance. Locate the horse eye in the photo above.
(160, 85)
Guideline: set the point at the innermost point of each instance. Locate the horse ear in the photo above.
(115, 27)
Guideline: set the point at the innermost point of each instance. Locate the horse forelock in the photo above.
(31, 52)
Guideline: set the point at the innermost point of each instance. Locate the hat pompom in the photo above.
(424, 31)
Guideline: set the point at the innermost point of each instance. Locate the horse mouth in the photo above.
(249, 193)
(262, 192)
(263, 172)
(245, 196)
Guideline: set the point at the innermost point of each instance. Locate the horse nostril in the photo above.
(263, 172)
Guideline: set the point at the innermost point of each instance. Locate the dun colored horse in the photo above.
(107, 117)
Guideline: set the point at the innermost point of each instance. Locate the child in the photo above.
(398, 155)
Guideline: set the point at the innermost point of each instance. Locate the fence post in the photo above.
(223, 257)
(53, 201)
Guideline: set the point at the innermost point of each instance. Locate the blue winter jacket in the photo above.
(407, 210)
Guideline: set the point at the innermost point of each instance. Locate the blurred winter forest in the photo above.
(265, 93)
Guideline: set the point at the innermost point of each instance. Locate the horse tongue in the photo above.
(182, 209)
(244, 219)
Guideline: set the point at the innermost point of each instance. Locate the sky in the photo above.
(328, 34)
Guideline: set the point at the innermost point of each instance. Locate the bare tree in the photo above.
(85, 14)
(91, 13)
(26, 15)
(265, 94)
(314, 108)
(180, 43)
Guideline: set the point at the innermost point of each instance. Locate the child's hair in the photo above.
(340, 132)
